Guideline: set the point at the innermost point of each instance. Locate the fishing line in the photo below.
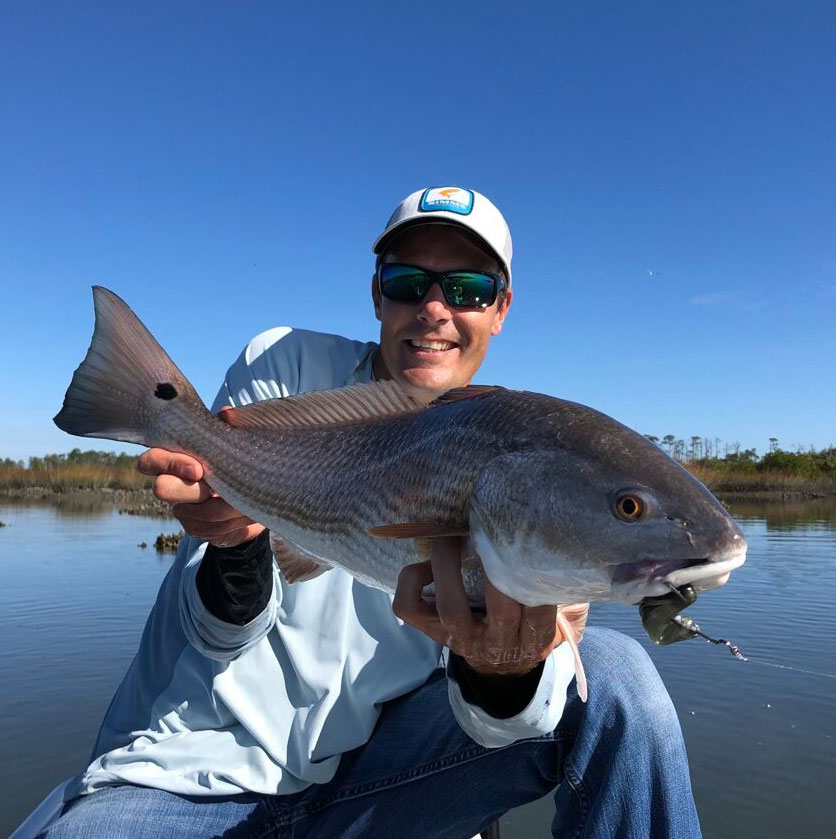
(694, 629)
(787, 667)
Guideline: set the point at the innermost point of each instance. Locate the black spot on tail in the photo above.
(165, 390)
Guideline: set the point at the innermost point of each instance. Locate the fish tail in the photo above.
(127, 385)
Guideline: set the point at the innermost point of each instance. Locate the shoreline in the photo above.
(130, 502)
(143, 502)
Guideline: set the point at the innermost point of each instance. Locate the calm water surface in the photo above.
(761, 739)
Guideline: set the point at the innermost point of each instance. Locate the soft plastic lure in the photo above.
(663, 623)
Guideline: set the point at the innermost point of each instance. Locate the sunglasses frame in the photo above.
(499, 284)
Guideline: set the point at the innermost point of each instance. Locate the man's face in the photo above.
(462, 334)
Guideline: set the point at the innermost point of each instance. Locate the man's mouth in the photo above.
(431, 346)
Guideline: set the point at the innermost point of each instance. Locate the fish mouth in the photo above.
(633, 581)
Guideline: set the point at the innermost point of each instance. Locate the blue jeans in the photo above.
(617, 766)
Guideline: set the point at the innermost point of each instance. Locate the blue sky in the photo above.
(667, 170)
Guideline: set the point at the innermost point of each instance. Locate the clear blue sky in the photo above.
(225, 167)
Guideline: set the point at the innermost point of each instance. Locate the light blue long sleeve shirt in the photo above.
(212, 708)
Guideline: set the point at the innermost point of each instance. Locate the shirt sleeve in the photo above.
(211, 636)
(539, 716)
(499, 695)
(229, 605)
(236, 584)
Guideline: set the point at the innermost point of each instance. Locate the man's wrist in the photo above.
(510, 669)
(500, 695)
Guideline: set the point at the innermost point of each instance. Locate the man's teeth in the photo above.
(431, 345)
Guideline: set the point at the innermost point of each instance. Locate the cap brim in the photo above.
(385, 238)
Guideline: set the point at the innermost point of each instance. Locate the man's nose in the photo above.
(434, 308)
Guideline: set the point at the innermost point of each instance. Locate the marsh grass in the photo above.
(732, 481)
(64, 473)
(776, 472)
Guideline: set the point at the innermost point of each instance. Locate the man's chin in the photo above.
(429, 383)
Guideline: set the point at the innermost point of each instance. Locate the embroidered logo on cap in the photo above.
(453, 199)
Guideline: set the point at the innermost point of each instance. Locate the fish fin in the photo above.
(415, 530)
(570, 638)
(125, 382)
(459, 394)
(296, 565)
(340, 406)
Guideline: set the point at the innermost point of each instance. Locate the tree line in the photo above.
(716, 454)
(76, 457)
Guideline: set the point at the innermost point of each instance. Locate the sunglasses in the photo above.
(465, 289)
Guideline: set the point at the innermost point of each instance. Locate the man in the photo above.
(258, 708)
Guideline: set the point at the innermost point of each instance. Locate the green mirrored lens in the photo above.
(469, 288)
(403, 283)
(408, 284)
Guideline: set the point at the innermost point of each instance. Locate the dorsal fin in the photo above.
(354, 403)
(340, 406)
(457, 394)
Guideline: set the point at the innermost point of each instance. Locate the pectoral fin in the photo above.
(296, 565)
(416, 530)
(572, 641)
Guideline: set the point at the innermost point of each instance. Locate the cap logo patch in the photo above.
(453, 199)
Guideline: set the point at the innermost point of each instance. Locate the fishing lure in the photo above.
(661, 620)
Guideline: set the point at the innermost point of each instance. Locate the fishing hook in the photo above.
(690, 625)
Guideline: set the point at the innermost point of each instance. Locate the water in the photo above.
(761, 739)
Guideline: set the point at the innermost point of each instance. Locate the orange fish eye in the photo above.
(630, 507)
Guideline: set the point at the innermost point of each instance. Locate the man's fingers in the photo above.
(500, 608)
(174, 490)
(540, 629)
(162, 462)
(409, 604)
(237, 537)
(502, 632)
(450, 597)
(212, 509)
(216, 532)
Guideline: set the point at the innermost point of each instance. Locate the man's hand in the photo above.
(509, 639)
(203, 514)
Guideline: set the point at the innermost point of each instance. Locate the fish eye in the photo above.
(630, 507)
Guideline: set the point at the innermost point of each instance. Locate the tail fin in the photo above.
(125, 382)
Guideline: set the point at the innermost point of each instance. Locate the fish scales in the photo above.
(303, 483)
(562, 503)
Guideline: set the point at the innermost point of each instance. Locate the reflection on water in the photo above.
(83, 503)
(786, 514)
(75, 594)
(761, 740)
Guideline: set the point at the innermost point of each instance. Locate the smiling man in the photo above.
(441, 345)
(259, 708)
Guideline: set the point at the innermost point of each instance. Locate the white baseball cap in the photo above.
(452, 205)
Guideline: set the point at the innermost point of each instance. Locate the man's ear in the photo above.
(499, 317)
(376, 298)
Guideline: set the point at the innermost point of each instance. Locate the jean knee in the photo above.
(622, 675)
